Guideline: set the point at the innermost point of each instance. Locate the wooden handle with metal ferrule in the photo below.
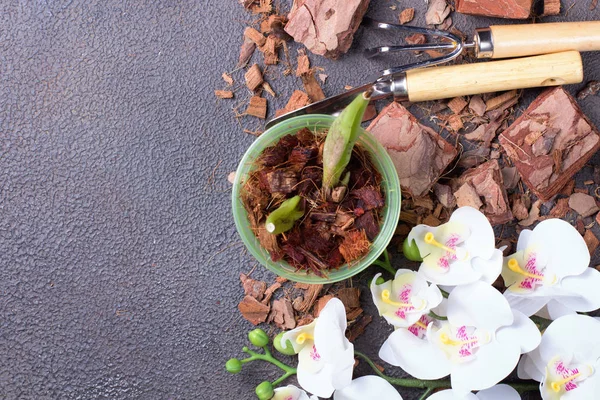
(527, 40)
(492, 76)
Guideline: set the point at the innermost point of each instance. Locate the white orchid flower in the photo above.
(460, 251)
(325, 356)
(291, 392)
(498, 392)
(368, 387)
(567, 362)
(478, 346)
(550, 268)
(405, 299)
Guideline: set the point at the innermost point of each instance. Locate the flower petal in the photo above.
(368, 387)
(588, 389)
(528, 370)
(289, 392)
(489, 269)
(528, 304)
(554, 310)
(481, 241)
(522, 332)
(493, 362)
(293, 334)
(319, 383)
(416, 356)
(330, 330)
(459, 273)
(478, 304)
(524, 238)
(586, 286)
(310, 360)
(449, 394)
(499, 392)
(572, 334)
(554, 236)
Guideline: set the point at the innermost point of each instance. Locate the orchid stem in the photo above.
(444, 293)
(385, 263)
(405, 382)
(434, 315)
(520, 387)
(426, 394)
(268, 357)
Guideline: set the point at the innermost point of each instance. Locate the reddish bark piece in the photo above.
(486, 179)
(477, 105)
(504, 101)
(282, 314)
(519, 210)
(274, 24)
(269, 50)
(253, 287)
(575, 141)
(246, 51)
(312, 87)
(253, 311)
(457, 104)
(350, 297)
(227, 78)
(431, 220)
(370, 197)
(358, 328)
(353, 314)
(355, 245)
(310, 296)
(534, 214)
(303, 62)
(591, 241)
(437, 12)
(255, 36)
(224, 94)
(516, 9)
(257, 107)
(444, 195)
(326, 27)
(466, 195)
(510, 177)
(455, 123)
(583, 204)
(297, 100)
(424, 202)
(561, 208)
(269, 292)
(406, 15)
(418, 152)
(551, 7)
(254, 77)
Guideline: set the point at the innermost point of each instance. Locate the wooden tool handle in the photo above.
(528, 40)
(492, 76)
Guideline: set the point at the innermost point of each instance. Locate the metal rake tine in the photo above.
(375, 51)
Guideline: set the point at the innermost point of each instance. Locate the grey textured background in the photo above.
(119, 259)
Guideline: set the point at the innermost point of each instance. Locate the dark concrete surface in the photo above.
(119, 260)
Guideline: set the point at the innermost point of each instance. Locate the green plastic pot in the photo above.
(390, 213)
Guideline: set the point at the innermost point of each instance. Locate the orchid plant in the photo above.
(457, 335)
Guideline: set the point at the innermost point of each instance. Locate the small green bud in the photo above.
(233, 366)
(264, 391)
(258, 337)
(288, 350)
(379, 281)
(411, 251)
